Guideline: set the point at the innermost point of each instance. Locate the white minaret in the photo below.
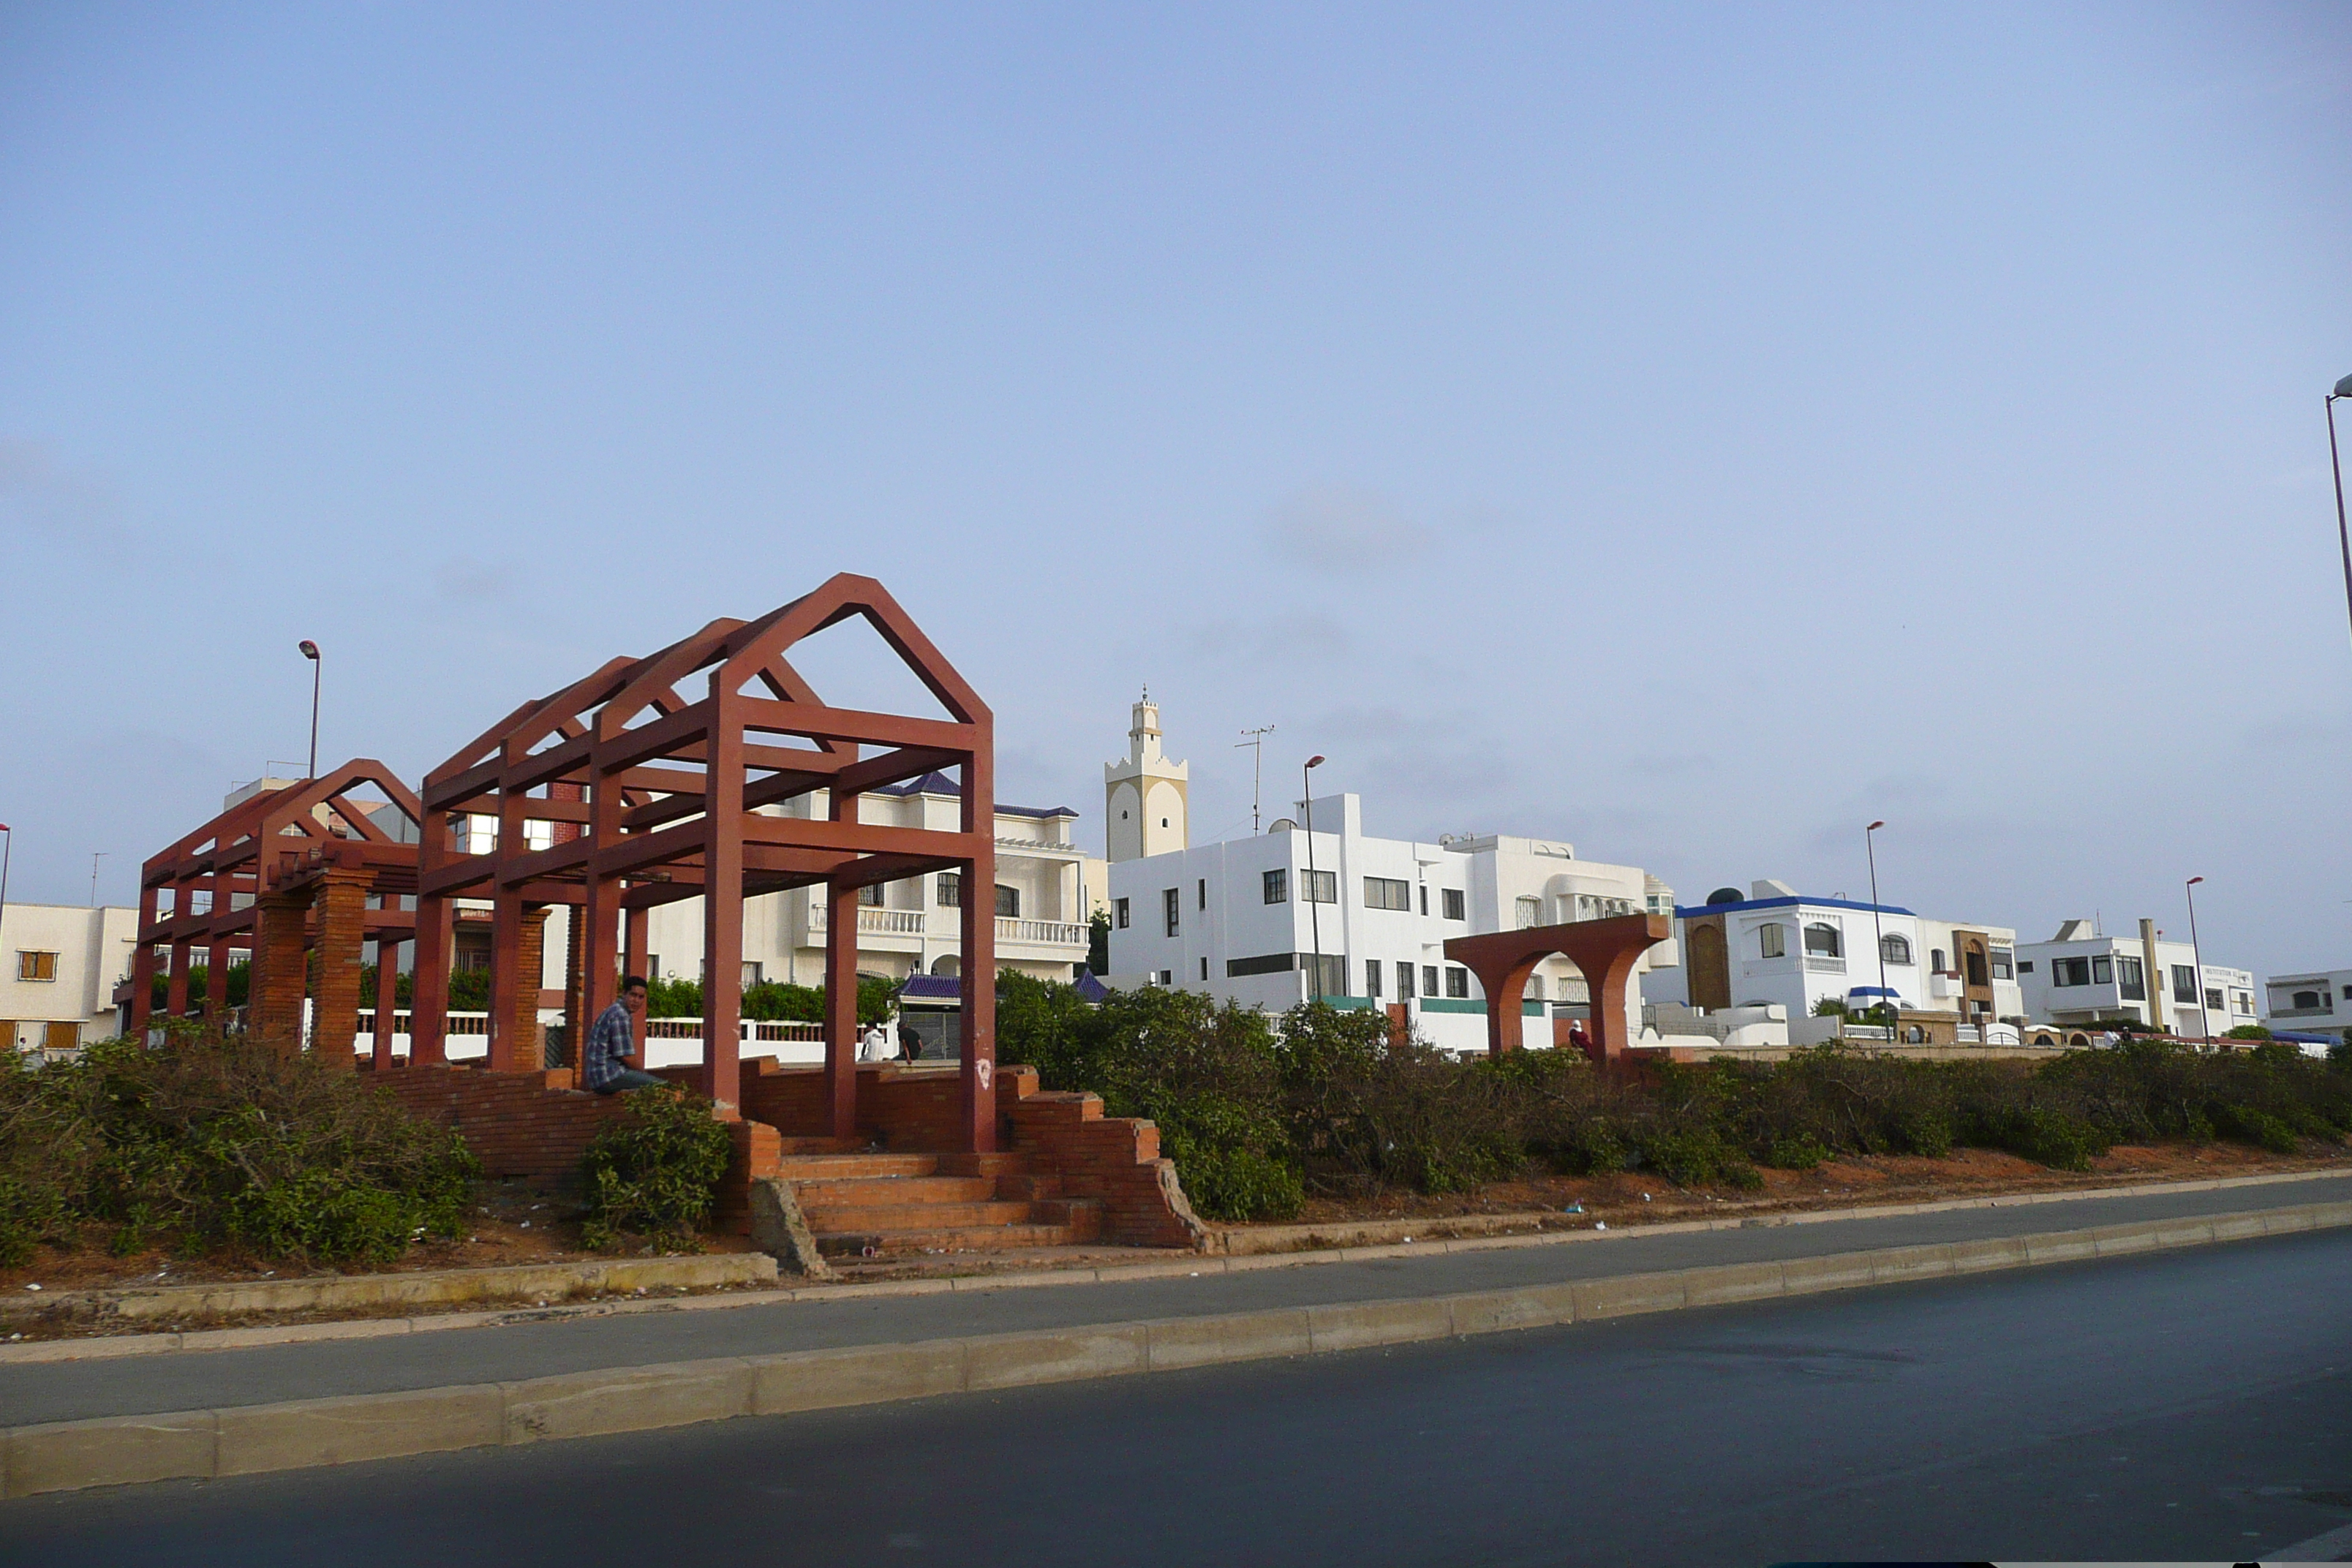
(1144, 796)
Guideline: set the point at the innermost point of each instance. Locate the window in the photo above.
(1455, 905)
(2103, 968)
(1204, 970)
(2242, 1002)
(2025, 966)
(1898, 950)
(1429, 980)
(1936, 961)
(2348, 993)
(2003, 964)
(1008, 902)
(2184, 985)
(870, 895)
(1388, 893)
(1172, 905)
(1536, 987)
(1269, 963)
(2131, 979)
(36, 965)
(1163, 977)
(1204, 897)
(1424, 914)
(751, 973)
(1824, 941)
(2213, 1000)
(1319, 887)
(1371, 977)
(1976, 965)
(1457, 981)
(2306, 1001)
(2069, 971)
(1527, 912)
(1277, 886)
(1404, 981)
(1118, 913)
(951, 892)
(1772, 942)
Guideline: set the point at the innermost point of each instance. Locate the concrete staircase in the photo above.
(907, 1206)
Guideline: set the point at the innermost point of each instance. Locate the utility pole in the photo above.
(1878, 926)
(1256, 744)
(1314, 914)
(94, 860)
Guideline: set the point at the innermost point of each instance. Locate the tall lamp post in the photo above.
(1878, 926)
(7, 852)
(310, 651)
(2343, 535)
(2196, 957)
(1314, 915)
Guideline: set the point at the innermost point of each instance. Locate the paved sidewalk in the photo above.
(71, 1391)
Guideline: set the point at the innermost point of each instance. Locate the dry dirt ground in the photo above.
(518, 1224)
(512, 1223)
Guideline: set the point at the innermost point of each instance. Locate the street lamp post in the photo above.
(1878, 925)
(2196, 957)
(7, 852)
(1314, 915)
(310, 651)
(2343, 535)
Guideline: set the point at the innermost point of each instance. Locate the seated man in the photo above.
(604, 1062)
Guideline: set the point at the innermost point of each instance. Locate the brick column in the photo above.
(518, 1029)
(274, 987)
(342, 928)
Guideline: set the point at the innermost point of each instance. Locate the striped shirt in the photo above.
(610, 1041)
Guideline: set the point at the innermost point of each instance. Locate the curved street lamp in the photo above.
(310, 651)
(1314, 915)
(1878, 926)
(2343, 535)
(2197, 954)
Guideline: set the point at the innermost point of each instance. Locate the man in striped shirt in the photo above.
(603, 1060)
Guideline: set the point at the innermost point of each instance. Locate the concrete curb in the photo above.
(550, 1281)
(1183, 1264)
(253, 1439)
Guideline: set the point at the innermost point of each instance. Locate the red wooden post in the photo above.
(841, 990)
(976, 1110)
(722, 900)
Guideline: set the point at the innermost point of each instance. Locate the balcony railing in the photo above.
(1043, 934)
(1820, 965)
(873, 920)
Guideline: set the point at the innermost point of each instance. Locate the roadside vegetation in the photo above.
(213, 1144)
(653, 1174)
(1259, 1113)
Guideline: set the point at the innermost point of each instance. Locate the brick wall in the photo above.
(1115, 1160)
(533, 1125)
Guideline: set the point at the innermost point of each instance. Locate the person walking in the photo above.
(604, 1061)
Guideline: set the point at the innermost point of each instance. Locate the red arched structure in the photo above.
(654, 793)
(277, 874)
(1606, 951)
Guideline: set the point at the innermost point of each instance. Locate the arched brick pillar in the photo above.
(1606, 951)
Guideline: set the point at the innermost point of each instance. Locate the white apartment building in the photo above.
(2082, 976)
(1777, 946)
(59, 966)
(1046, 886)
(1272, 921)
(2318, 1002)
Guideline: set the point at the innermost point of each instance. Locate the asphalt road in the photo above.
(2194, 1406)
(80, 1390)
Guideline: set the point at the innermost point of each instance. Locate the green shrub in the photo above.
(207, 1142)
(2045, 1136)
(2248, 1032)
(2249, 1125)
(1228, 1183)
(1799, 1151)
(656, 1173)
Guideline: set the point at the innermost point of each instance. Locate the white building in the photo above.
(1272, 921)
(1046, 887)
(2082, 976)
(1776, 946)
(59, 966)
(2318, 1002)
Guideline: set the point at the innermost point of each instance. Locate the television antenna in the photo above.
(1256, 745)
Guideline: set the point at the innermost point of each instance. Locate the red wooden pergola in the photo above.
(651, 793)
(278, 875)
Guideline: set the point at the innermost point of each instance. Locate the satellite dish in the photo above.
(1282, 825)
(1727, 896)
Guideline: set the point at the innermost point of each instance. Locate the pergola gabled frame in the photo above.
(276, 866)
(656, 794)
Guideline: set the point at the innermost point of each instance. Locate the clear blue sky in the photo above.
(1689, 431)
